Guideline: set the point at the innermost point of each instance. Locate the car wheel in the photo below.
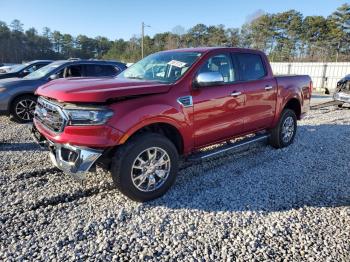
(22, 108)
(340, 105)
(145, 167)
(283, 134)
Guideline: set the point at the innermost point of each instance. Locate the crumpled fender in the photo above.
(130, 121)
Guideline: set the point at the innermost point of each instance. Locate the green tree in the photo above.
(197, 35)
(117, 50)
(286, 32)
(5, 44)
(216, 36)
(232, 37)
(103, 44)
(285, 36)
(57, 41)
(339, 30)
(67, 45)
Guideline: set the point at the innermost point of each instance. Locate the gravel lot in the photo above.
(256, 204)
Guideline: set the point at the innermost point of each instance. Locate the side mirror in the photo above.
(54, 76)
(25, 72)
(209, 79)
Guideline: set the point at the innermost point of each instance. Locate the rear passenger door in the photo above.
(260, 91)
(100, 70)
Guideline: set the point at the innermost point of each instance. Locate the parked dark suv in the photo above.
(17, 94)
(25, 69)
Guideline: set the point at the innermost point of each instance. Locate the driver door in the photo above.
(218, 108)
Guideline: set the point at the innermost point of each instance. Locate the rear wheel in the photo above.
(22, 108)
(283, 134)
(340, 105)
(145, 167)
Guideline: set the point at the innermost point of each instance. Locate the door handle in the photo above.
(235, 94)
(268, 88)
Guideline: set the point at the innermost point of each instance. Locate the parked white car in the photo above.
(6, 68)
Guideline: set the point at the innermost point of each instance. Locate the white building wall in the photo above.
(324, 75)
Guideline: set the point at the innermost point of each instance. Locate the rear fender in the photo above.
(282, 102)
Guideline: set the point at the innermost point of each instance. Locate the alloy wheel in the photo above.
(288, 129)
(25, 109)
(150, 169)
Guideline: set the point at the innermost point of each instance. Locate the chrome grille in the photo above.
(50, 115)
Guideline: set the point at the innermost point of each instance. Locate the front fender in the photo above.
(129, 120)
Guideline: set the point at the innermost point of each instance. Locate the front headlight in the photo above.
(88, 117)
(2, 89)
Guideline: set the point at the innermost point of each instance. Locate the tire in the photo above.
(284, 132)
(22, 108)
(132, 180)
(340, 105)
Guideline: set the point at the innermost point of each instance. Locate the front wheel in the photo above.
(283, 134)
(145, 167)
(22, 108)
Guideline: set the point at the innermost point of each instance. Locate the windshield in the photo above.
(43, 71)
(17, 68)
(163, 67)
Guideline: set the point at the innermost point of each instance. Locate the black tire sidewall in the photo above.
(123, 168)
(14, 104)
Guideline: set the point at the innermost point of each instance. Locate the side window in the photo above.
(32, 68)
(112, 70)
(251, 66)
(100, 70)
(38, 66)
(72, 71)
(220, 63)
(60, 73)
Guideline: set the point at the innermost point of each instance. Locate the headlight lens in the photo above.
(2, 89)
(88, 117)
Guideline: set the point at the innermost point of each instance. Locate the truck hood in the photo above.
(98, 90)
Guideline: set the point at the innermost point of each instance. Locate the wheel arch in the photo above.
(14, 97)
(166, 128)
(295, 105)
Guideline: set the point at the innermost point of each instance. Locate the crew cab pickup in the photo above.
(169, 104)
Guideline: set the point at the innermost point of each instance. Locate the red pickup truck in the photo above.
(170, 104)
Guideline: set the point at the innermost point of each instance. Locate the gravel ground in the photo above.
(256, 204)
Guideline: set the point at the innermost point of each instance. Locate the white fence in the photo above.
(324, 75)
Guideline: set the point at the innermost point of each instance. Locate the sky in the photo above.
(122, 19)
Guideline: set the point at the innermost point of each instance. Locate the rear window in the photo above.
(251, 66)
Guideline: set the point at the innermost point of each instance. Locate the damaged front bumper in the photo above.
(72, 160)
(342, 97)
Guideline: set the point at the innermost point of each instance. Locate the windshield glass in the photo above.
(17, 68)
(163, 67)
(43, 71)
